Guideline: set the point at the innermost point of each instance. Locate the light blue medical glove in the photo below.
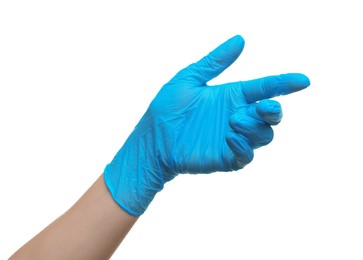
(191, 127)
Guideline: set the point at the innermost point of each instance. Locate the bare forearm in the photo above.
(92, 229)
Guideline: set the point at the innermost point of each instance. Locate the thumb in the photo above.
(214, 63)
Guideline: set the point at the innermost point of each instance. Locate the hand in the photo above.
(191, 127)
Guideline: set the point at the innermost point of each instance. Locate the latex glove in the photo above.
(191, 127)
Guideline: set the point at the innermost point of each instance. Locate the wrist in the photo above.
(133, 178)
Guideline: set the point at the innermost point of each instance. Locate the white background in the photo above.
(76, 76)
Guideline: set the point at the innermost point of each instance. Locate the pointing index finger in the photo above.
(272, 86)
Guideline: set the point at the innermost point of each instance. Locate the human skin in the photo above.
(92, 228)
